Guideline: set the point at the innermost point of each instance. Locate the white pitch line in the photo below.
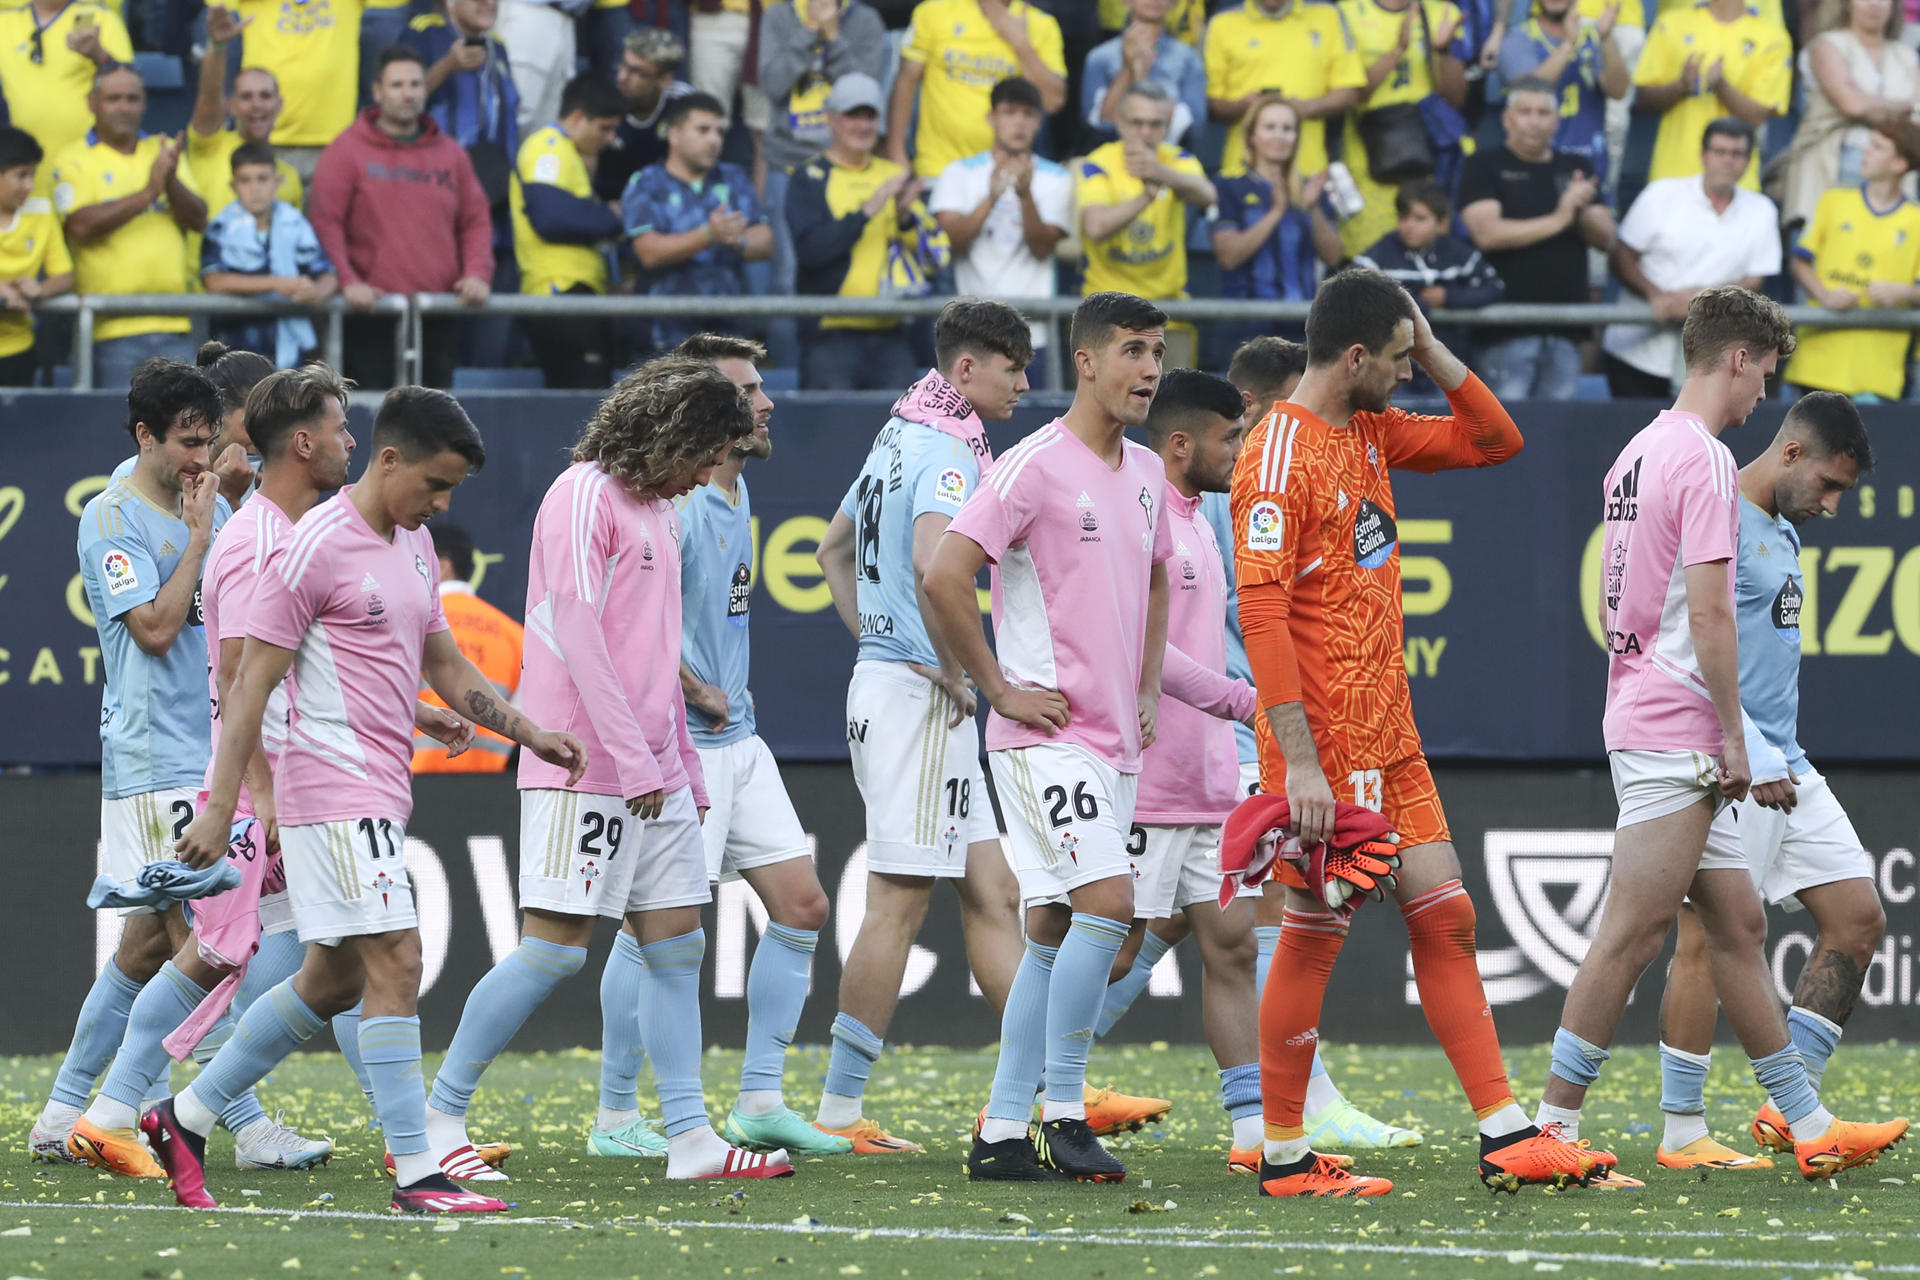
(1134, 1240)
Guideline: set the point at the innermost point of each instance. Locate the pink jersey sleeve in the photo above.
(1162, 533)
(423, 547)
(572, 553)
(998, 513)
(229, 569)
(1204, 689)
(291, 593)
(1704, 483)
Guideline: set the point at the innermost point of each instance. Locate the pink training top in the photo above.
(1191, 773)
(1671, 500)
(1073, 542)
(603, 639)
(234, 566)
(357, 609)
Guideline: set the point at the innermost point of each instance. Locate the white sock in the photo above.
(1249, 1132)
(110, 1114)
(1683, 1130)
(997, 1130)
(1285, 1151)
(607, 1120)
(761, 1102)
(1322, 1093)
(409, 1169)
(837, 1111)
(1508, 1119)
(61, 1117)
(697, 1151)
(446, 1134)
(1813, 1125)
(1051, 1110)
(1568, 1120)
(193, 1113)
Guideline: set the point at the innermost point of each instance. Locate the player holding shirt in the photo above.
(142, 542)
(1319, 579)
(1674, 736)
(352, 597)
(751, 832)
(620, 839)
(1080, 610)
(298, 421)
(1803, 853)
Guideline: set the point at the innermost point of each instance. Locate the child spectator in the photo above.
(261, 246)
(1438, 269)
(33, 254)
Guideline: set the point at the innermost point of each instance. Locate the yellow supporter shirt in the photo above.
(212, 160)
(313, 49)
(145, 255)
(1851, 246)
(1304, 54)
(1186, 19)
(1148, 256)
(845, 190)
(964, 58)
(1756, 58)
(48, 98)
(550, 157)
(1769, 9)
(31, 245)
(1374, 31)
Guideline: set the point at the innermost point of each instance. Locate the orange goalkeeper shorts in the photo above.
(1402, 792)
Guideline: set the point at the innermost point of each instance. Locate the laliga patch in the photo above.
(1264, 527)
(116, 567)
(950, 487)
(1374, 536)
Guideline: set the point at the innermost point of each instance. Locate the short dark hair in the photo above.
(1099, 314)
(1832, 424)
(1532, 84)
(396, 53)
(720, 346)
(420, 422)
(678, 109)
(1264, 364)
(18, 147)
(1426, 193)
(456, 545)
(984, 327)
(165, 394)
(289, 398)
(1358, 306)
(1017, 91)
(1728, 127)
(1728, 318)
(233, 373)
(592, 97)
(111, 67)
(1905, 137)
(253, 153)
(1184, 397)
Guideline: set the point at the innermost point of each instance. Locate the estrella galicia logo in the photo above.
(1623, 500)
(1616, 574)
(375, 606)
(1374, 536)
(1088, 521)
(737, 593)
(1786, 610)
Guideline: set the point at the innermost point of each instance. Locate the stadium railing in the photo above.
(410, 311)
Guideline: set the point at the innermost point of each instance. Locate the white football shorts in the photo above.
(1069, 815)
(136, 830)
(925, 792)
(750, 822)
(1655, 784)
(1812, 846)
(348, 878)
(1174, 868)
(585, 855)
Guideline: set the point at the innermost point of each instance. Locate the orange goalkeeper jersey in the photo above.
(1317, 564)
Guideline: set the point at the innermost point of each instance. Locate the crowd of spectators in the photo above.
(1476, 150)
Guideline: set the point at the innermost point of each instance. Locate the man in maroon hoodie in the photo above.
(399, 210)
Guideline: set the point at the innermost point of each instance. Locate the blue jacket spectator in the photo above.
(1439, 270)
(1579, 60)
(470, 91)
(1269, 233)
(1145, 49)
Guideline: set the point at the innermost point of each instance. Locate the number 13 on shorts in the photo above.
(1369, 789)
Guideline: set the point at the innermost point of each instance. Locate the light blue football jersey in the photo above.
(716, 583)
(156, 720)
(911, 471)
(1217, 508)
(1767, 593)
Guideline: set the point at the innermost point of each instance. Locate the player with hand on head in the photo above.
(1318, 568)
(1675, 738)
(1074, 520)
(350, 605)
(615, 833)
(1801, 850)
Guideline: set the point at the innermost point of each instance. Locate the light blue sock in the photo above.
(1575, 1060)
(278, 1023)
(1267, 938)
(162, 1005)
(1240, 1090)
(496, 1009)
(162, 1087)
(1122, 994)
(390, 1048)
(855, 1050)
(1073, 1001)
(776, 992)
(1683, 1081)
(620, 1050)
(97, 1034)
(1023, 1036)
(246, 1108)
(1319, 1067)
(1816, 1038)
(1784, 1076)
(346, 1034)
(279, 958)
(670, 1026)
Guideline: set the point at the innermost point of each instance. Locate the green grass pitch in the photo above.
(1178, 1215)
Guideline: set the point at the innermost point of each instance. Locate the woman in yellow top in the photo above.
(33, 254)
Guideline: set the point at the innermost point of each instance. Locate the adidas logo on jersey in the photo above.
(168, 549)
(1340, 500)
(368, 584)
(1180, 549)
(1083, 501)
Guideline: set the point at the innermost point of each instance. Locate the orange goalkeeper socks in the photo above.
(1447, 972)
(1290, 1015)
